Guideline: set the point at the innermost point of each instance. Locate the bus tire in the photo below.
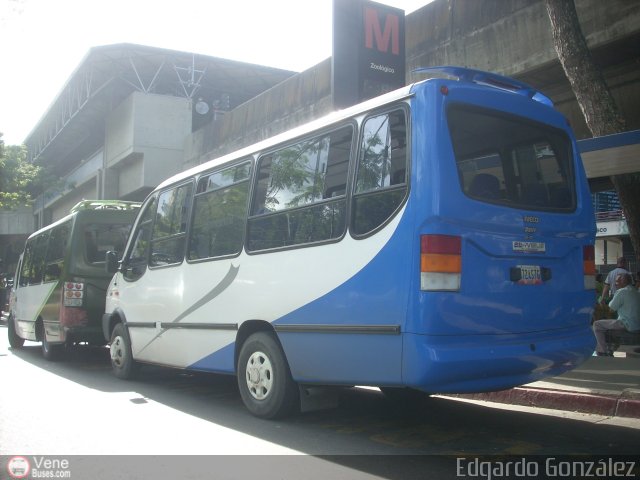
(264, 378)
(122, 362)
(15, 341)
(49, 351)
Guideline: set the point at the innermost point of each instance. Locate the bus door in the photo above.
(152, 285)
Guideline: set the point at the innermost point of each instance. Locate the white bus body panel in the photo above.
(231, 292)
(29, 302)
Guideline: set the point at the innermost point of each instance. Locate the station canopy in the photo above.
(73, 126)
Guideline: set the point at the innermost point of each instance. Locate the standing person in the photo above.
(626, 302)
(610, 283)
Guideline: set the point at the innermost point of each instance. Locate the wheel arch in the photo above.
(248, 328)
(110, 321)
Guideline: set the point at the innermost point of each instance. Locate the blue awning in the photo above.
(611, 154)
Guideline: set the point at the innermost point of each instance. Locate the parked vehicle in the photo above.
(438, 238)
(61, 280)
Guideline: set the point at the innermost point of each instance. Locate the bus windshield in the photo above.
(505, 160)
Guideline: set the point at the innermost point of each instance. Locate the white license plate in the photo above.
(530, 274)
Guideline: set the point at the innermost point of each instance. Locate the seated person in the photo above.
(626, 302)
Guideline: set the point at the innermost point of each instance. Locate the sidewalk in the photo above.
(607, 386)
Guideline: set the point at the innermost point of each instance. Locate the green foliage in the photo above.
(295, 176)
(19, 180)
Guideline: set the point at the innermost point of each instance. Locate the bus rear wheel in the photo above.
(122, 362)
(15, 341)
(264, 379)
(51, 352)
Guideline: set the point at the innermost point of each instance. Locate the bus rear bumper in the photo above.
(92, 335)
(484, 363)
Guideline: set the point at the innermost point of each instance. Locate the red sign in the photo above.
(368, 50)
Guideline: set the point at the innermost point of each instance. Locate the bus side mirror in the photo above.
(111, 261)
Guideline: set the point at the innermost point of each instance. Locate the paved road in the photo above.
(76, 407)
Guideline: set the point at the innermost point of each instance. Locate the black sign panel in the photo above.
(368, 50)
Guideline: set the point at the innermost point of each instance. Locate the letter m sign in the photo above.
(383, 34)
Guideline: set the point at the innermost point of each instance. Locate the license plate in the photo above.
(530, 274)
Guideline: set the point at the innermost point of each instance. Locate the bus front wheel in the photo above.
(122, 362)
(264, 379)
(15, 340)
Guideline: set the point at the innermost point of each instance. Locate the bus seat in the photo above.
(535, 194)
(561, 197)
(485, 185)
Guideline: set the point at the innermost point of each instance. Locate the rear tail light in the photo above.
(440, 262)
(72, 294)
(589, 266)
(71, 311)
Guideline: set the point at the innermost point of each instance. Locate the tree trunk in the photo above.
(596, 102)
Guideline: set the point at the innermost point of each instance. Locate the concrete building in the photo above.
(130, 115)
(120, 124)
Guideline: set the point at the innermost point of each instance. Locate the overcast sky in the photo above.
(43, 41)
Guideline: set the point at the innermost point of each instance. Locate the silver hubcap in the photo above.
(117, 351)
(259, 375)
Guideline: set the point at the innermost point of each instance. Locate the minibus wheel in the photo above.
(15, 340)
(122, 362)
(49, 351)
(264, 378)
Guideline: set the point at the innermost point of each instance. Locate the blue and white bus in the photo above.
(437, 238)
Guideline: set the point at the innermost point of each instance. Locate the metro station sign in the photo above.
(368, 51)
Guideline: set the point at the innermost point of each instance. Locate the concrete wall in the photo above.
(513, 37)
(62, 207)
(17, 222)
(295, 101)
(506, 36)
(144, 142)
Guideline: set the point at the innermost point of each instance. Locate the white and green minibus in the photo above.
(59, 287)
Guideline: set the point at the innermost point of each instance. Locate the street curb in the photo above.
(626, 404)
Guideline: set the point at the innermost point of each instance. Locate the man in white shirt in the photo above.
(626, 302)
(609, 289)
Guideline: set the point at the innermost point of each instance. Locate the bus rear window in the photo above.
(101, 238)
(509, 161)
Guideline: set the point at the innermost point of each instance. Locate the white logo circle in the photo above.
(18, 467)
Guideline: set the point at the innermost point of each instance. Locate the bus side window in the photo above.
(301, 192)
(135, 263)
(381, 178)
(25, 273)
(36, 262)
(168, 237)
(56, 251)
(220, 213)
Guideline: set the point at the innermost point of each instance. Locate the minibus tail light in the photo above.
(72, 294)
(71, 312)
(440, 262)
(589, 266)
